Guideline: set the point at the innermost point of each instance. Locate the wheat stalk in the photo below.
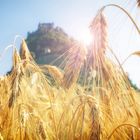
(54, 72)
(25, 53)
(137, 53)
(32, 109)
(16, 58)
(98, 29)
(16, 74)
(96, 57)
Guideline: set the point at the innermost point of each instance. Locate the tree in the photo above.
(48, 42)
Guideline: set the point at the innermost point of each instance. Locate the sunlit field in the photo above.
(84, 94)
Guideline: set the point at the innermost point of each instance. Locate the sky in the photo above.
(17, 17)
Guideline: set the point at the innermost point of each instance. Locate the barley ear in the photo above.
(99, 45)
(25, 53)
(54, 72)
(99, 31)
(16, 58)
(136, 53)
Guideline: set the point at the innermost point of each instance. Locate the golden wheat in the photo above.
(89, 99)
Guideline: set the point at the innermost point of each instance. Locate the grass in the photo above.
(88, 97)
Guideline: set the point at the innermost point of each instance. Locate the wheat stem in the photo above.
(125, 11)
(130, 125)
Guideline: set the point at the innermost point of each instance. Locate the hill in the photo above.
(48, 42)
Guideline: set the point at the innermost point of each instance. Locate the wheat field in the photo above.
(87, 97)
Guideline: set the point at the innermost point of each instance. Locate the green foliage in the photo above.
(48, 42)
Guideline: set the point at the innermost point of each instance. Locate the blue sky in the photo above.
(17, 17)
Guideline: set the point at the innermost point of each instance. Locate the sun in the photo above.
(85, 37)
